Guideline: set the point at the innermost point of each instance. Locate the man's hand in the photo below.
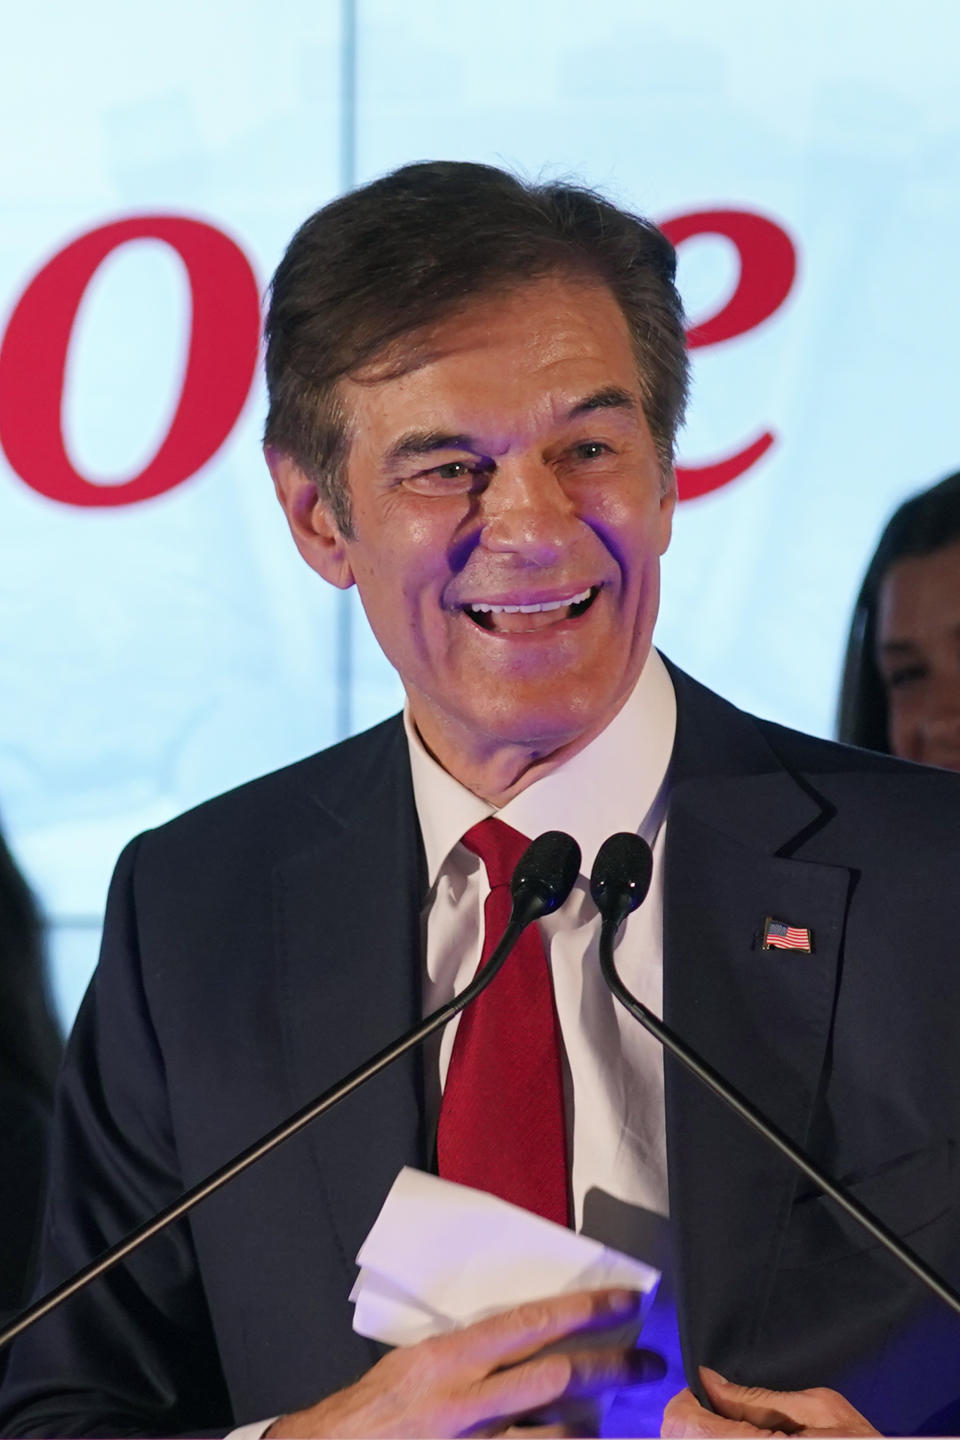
(750, 1411)
(479, 1379)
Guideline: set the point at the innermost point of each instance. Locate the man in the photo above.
(475, 387)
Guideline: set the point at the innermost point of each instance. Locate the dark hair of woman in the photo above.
(30, 1048)
(922, 525)
(30, 1043)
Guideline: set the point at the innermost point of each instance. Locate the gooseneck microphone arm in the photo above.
(541, 882)
(619, 883)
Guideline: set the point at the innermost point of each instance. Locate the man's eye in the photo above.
(454, 477)
(591, 449)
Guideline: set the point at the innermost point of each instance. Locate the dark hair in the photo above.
(923, 524)
(405, 251)
(30, 1043)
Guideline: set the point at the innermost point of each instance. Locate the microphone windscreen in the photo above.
(621, 874)
(549, 867)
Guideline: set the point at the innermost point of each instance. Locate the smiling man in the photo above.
(475, 387)
(507, 550)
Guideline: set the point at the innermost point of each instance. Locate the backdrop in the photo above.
(161, 638)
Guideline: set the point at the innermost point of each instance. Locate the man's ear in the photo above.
(668, 504)
(314, 530)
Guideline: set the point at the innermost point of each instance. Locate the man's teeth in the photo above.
(529, 609)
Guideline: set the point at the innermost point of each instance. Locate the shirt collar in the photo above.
(614, 783)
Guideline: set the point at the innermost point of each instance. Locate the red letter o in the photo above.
(220, 364)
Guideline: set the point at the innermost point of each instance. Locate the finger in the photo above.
(516, 1334)
(791, 1411)
(522, 1432)
(572, 1375)
(594, 1372)
(765, 1408)
(508, 1395)
(685, 1416)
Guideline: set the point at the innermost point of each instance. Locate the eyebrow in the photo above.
(904, 647)
(896, 647)
(611, 397)
(427, 442)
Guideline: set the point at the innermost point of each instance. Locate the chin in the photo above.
(548, 725)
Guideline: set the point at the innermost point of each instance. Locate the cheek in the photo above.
(636, 537)
(903, 725)
(401, 591)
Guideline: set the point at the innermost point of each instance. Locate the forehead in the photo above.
(921, 593)
(510, 360)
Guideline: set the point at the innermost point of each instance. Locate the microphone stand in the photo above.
(528, 905)
(715, 1082)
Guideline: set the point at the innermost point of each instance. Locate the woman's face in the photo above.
(918, 652)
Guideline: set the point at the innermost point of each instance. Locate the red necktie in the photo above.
(501, 1124)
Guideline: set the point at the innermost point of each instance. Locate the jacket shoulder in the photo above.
(717, 740)
(350, 782)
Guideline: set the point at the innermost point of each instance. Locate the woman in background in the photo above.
(901, 678)
(30, 1048)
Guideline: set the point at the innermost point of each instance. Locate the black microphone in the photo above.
(619, 883)
(546, 873)
(541, 882)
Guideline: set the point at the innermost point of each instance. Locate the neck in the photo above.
(498, 770)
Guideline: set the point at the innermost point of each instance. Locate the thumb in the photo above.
(789, 1412)
(767, 1409)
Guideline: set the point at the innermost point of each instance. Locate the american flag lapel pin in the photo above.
(778, 936)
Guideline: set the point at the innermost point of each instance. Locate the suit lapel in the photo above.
(761, 1017)
(348, 956)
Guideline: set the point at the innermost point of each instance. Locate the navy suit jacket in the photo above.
(259, 947)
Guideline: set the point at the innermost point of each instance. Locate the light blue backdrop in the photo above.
(156, 653)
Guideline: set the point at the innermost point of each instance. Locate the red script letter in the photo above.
(768, 265)
(220, 364)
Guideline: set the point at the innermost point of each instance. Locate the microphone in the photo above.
(619, 883)
(546, 873)
(541, 882)
(620, 878)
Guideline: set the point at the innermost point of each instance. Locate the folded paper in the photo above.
(440, 1256)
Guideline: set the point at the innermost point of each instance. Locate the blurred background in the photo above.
(161, 639)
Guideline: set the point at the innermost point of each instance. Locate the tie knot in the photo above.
(499, 846)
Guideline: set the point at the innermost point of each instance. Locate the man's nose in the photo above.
(525, 510)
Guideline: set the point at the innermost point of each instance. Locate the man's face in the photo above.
(509, 515)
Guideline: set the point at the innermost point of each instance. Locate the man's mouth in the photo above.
(539, 615)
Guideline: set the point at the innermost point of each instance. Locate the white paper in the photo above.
(440, 1256)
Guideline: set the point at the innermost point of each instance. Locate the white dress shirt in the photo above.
(613, 1069)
